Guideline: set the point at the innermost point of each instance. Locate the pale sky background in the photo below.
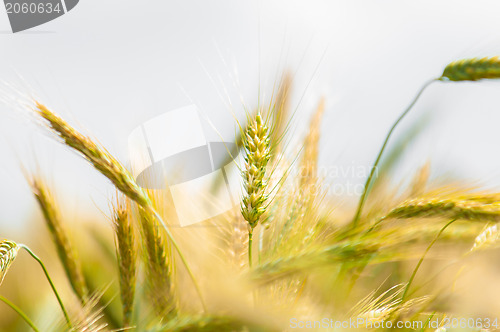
(108, 66)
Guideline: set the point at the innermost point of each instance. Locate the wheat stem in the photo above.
(422, 259)
(20, 313)
(66, 316)
(375, 165)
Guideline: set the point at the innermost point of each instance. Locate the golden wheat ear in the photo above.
(8, 253)
(67, 255)
(465, 207)
(472, 69)
(126, 249)
(487, 239)
(257, 144)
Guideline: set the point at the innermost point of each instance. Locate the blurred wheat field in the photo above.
(285, 258)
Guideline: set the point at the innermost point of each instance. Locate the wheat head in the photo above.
(8, 253)
(102, 160)
(453, 207)
(258, 153)
(472, 69)
(159, 263)
(486, 239)
(65, 250)
(127, 257)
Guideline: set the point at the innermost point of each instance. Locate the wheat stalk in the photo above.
(127, 257)
(20, 313)
(111, 168)
(454, 207)
(472, 69)
(373, 170)
(8, 253)
(67, 255)
(414, 273)
(464, 70)
(257, 154)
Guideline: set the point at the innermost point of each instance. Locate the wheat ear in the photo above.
(472, 69)
(8, 253)
(459, 207)
(256, 142)
(159, 264)
(127, 257)
(486, 239)
(67, 255)
(111, 168)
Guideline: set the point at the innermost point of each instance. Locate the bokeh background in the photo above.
(109, 66)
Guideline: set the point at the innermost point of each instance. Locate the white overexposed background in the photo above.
(108, 66)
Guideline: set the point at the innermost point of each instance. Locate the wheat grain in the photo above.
(67, 255)
(472, 69)
(127, 257)
(8, 253)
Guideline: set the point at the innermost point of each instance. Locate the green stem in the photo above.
(250, 241)
(422, 259)
(50, 282)
(20, 313)
(183, 259)
(375, 165)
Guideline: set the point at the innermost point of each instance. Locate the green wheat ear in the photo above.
(472, 69)
(258, 153)
(257, 144)
(8, 253)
